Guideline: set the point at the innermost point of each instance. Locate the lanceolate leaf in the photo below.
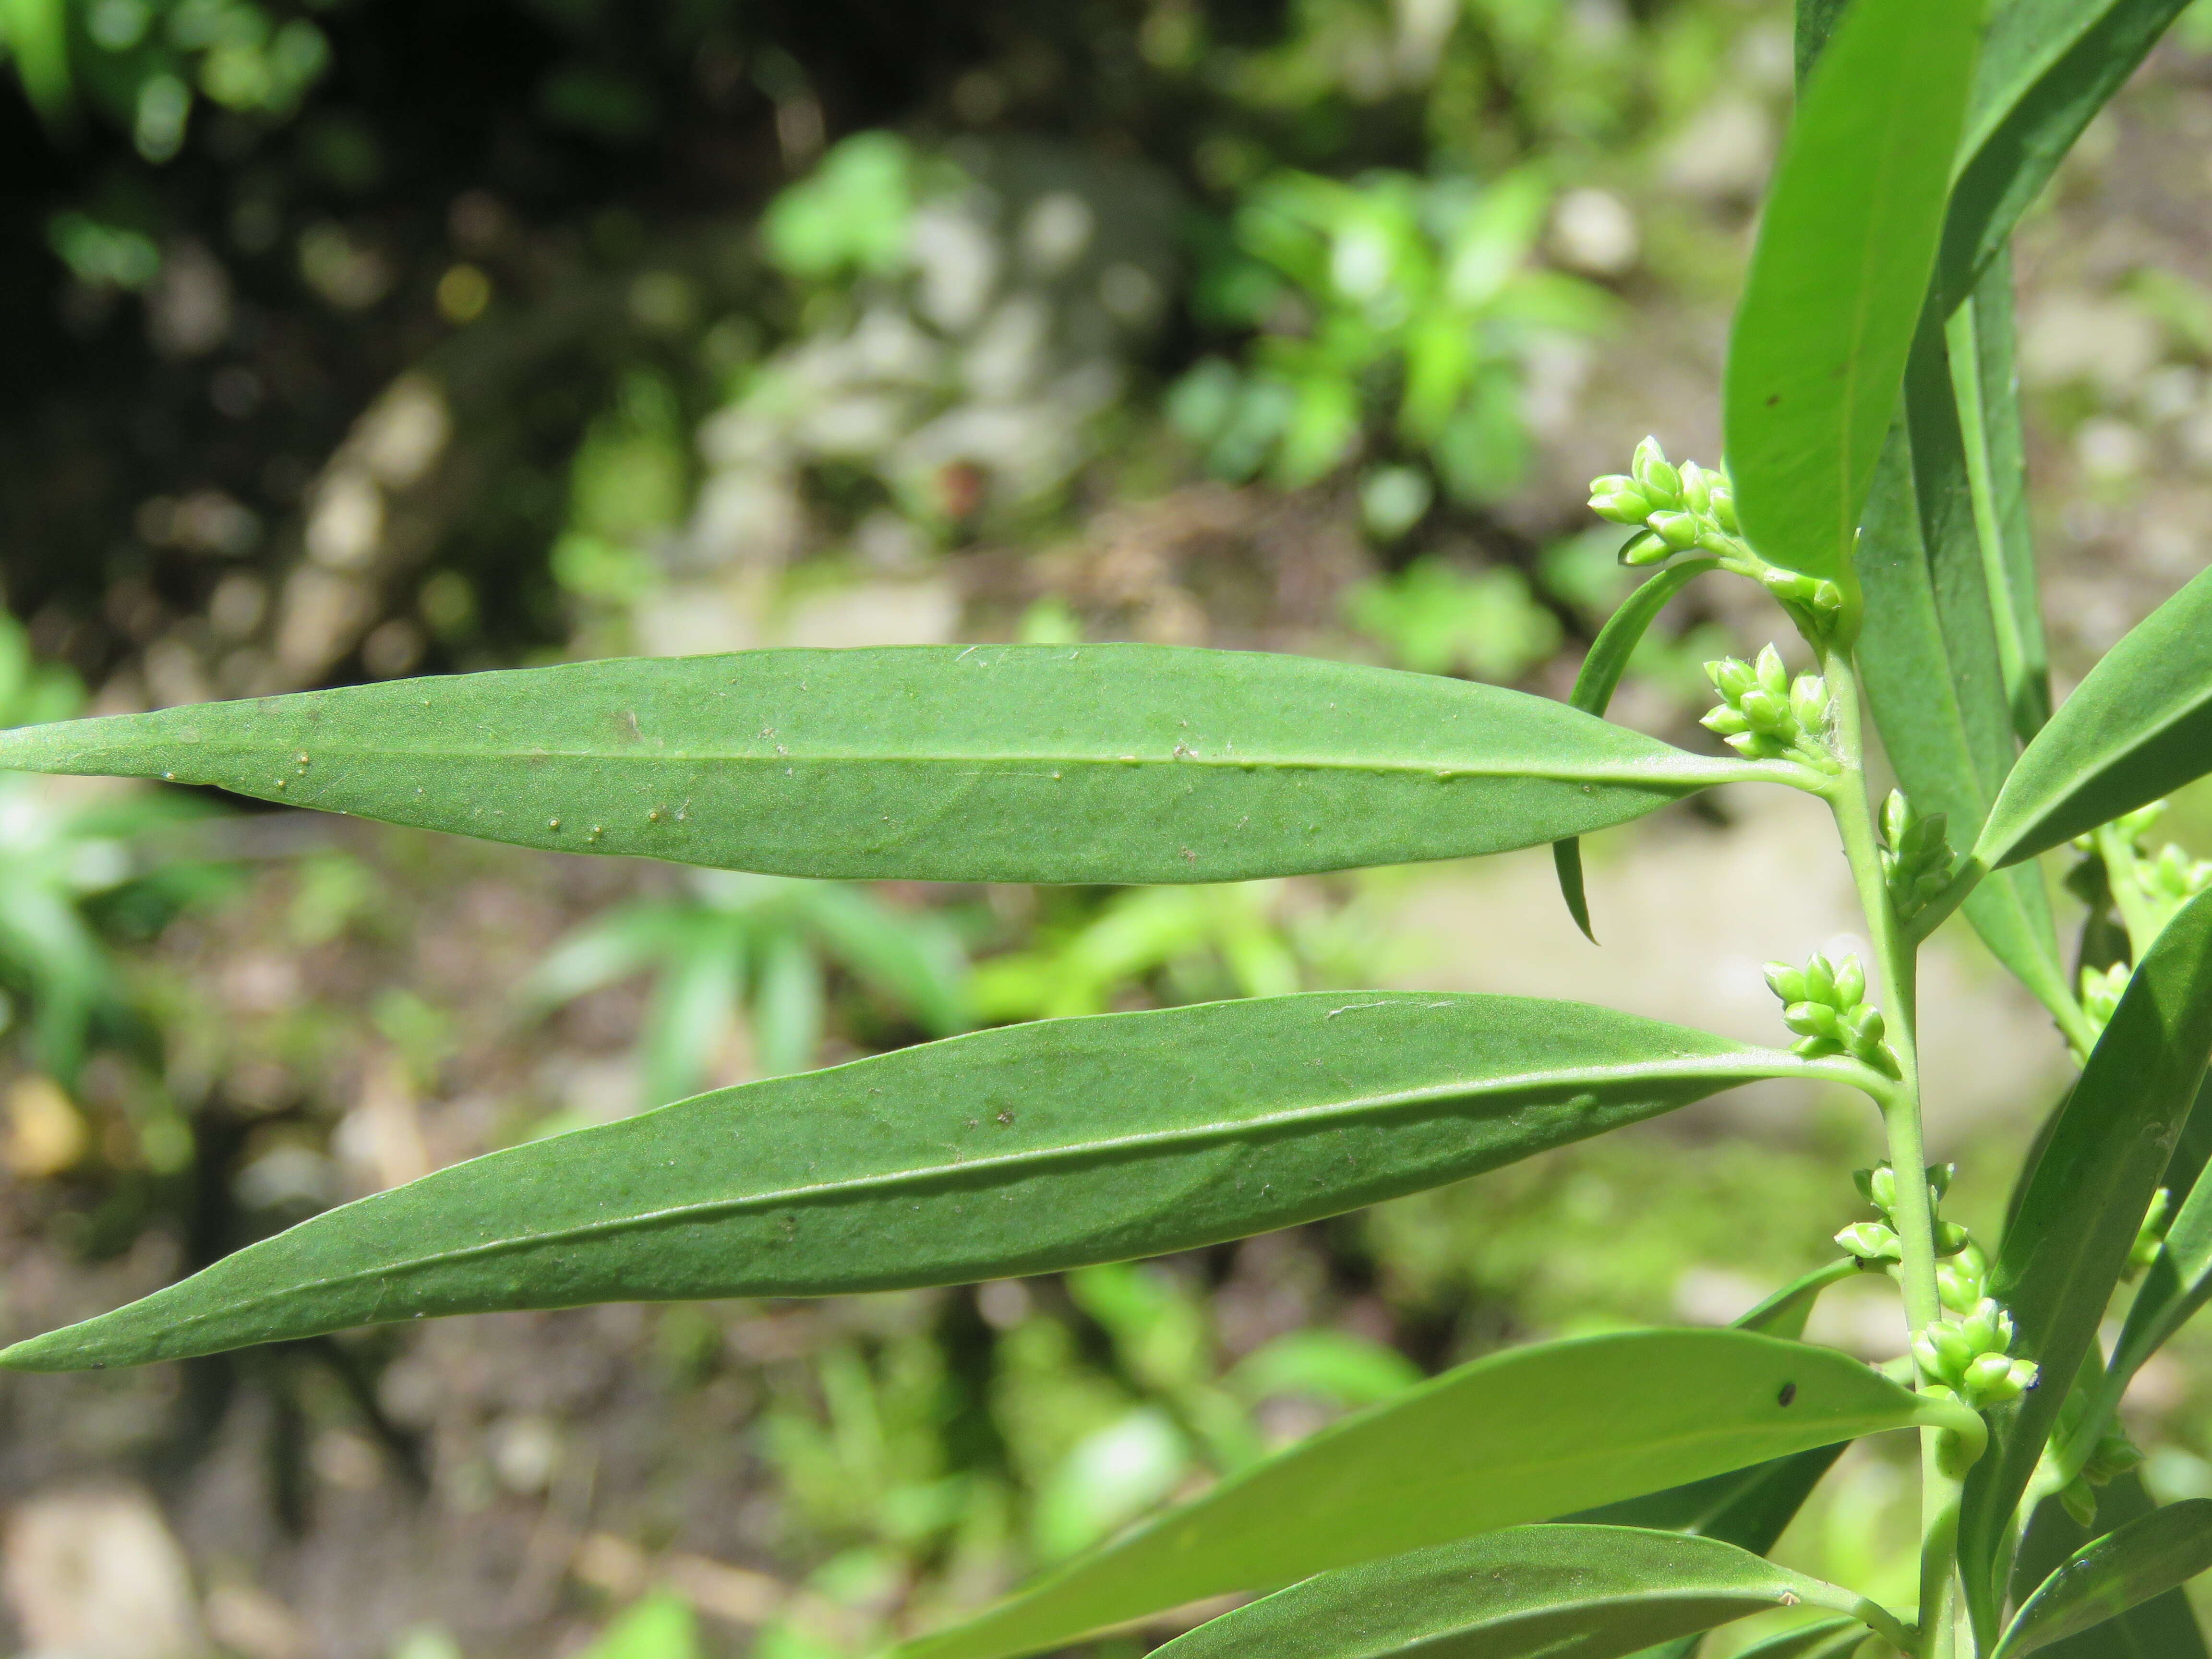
(1525, 1593)
(1018, 1150)
(2138, 728)
(1090, 764)
(1596, 681)
(2154, 1553)
(2048, 66)
(1928, 652)
(2080, 1213)
(1985, 379)
(2164, 1627)
(1845, 250)
(1508, 1439)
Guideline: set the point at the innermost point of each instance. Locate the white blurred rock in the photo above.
(96, 1574)
(876, 613)
(1723, 153)
(1594, 231)
(2079, 336)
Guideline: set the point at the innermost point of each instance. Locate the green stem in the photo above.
(1895, 973)
(2123, 875)
(1965, 351)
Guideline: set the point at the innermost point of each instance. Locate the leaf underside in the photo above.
(1091, 763)
(1018, 1150)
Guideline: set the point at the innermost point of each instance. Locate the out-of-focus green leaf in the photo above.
(659, 1627)
(1332, 1365)
(1020, 1150)
(1499, 1441)
(1595, 682)
(2080, 1213)
(2104, 1578)
(1846, 245)
(1557, 1592)
(1928, 655)
(1118, 762)
(2047, 68)
(2138, 728)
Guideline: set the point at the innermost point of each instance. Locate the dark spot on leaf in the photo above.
(1788, 1392)
(1773, 398)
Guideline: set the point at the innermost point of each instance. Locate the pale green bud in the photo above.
(1993, 1379)
(1731, 677)
(2079, 1501)
(1678, 530)
(1644, 549)
(1773, 675)
(1723, 509)
(1819, 979)
(1870, 1240)
(1809, 702)
(1786, 982)
(1661, 482)
(1697, 487)
(1851, 989)
(1960, 1279)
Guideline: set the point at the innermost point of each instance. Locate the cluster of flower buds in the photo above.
(2172, 879)
(1916, 859)
(1824, 1003)
(1877, 1241)
(1766, 716)
(1971, 1355)
(1679, 508)
(2101, 991)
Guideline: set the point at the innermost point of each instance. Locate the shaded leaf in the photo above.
(2178, 1281)
(2079, 1214)
(2048, 66)
(1090, 764)
(2149, 1555)
(1845, 244)
(1828, 1638)
(1020, 1150)
(1559, 1592)
(2164, 1627)
(2139, 727)
(1596, 681)
(1507, 1439)
(1927, 654)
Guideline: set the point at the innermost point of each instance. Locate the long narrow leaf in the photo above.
(2104, 1578)
(1928, 655)
(1845, 248)
(1020, 1150)
(2138, 728)
(2048, 67)
(2179, 1280)
(1828, 1638)
(2082, 1206)
(1090, 764)
(1596, 681)
(1525, 1593)
(1504, 1440)
(1985, 379)
(2164, 1627)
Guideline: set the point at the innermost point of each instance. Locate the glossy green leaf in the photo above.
(2079, 1215)
(2164, 1627)
(1088, 764)
(1846, 245)
(1507, 1439)
(1560, 1592)
(2048, 66)
(2138, 728)
(1018, 1150)
(1927, 654)
(1825, 1638)
(2148, 1556)
(1985, 381)
(1596, 681)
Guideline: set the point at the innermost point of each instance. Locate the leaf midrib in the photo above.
(1748, 1067)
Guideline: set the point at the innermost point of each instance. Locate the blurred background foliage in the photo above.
(353, 338)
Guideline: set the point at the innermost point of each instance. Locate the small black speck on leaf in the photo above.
(1788, 1392)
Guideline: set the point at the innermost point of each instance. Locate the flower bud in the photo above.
(1731, 677)
(1773, 674)
(1993, 1379)
(1786, 982)
(1697, 487)
(1819, 979)
(1723, 509)
(1678, 530)
(1644, 549)
(1958, 1280)
(1881, 1187)
(1849, 991)
(1942, 1353)
(1660, 481)
(1865, 1025)
(1809, 702)
(2078, 1500)
(1869, 1241)
(1765, 712)
(1951, 1237)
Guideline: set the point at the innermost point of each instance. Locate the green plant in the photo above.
(784, 936)
(1601, 1495)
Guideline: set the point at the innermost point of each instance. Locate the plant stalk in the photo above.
(1895, 965)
